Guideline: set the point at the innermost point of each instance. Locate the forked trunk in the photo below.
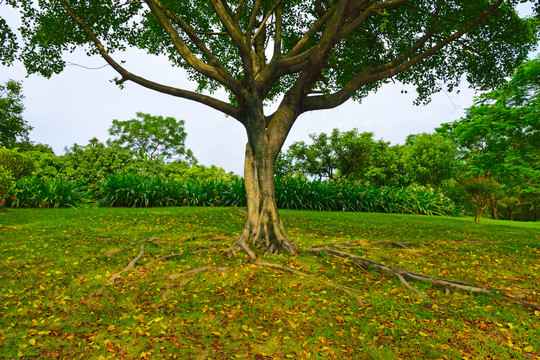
(263, 227)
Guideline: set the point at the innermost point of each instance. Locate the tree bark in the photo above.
(263, 227)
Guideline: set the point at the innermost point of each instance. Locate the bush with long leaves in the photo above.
(133, 189)
(299, 193)
(32, 191)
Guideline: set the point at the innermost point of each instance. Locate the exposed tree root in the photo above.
(131, 264)
(409, 286)
(148, 240)
(112, 279)
(241, 244)
(406, 275)
(395, 244)
(163, 258)
(333, 249)
(348, 290)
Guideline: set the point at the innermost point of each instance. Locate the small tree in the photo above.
(13, 127)
(481, 191)
(90, 164)
(153, 136)
(499, 136)
(19, 164)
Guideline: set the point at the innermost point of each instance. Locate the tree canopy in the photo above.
(430, 158)
(339, 155)
(156, 137)
(304, 55)
(500, 134)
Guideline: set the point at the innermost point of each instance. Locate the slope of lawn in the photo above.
(198, 304)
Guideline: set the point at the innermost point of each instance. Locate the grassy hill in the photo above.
(98, 283)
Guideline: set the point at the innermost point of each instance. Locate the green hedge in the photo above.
(132, 189)
(34, 192)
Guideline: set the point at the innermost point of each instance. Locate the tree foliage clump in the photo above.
(499, 138)
(13, 127)
(429, 159)
(154, 137)
(6, 185)
(19, 164)
(337, 156)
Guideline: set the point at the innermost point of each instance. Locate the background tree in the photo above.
(308, 55)
(387, 167)
(88, 165)
(157, 137)
(338, 156)
(13, 166)
(13, 127)
(429, 158)
(481, 191)
(335, 156)
(499, 136)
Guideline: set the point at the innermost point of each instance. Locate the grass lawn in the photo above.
(54, 263)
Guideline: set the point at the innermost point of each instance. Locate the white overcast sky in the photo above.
(80, 104)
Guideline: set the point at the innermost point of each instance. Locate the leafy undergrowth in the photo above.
(54, 263)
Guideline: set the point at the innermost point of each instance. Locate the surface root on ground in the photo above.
(404, 276)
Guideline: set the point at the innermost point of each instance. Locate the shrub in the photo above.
(136, 190)
(6, 184)
(18, 163)
(32, 191)
(298, 193)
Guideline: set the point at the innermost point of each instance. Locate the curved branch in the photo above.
(372, 74)
(215, 70)
(263, 22)
(233, 29)
(126, 75)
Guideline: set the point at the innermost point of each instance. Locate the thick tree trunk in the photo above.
(263, 227)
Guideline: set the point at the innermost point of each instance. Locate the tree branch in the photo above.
(253, 17)
(235, 32)
(278, 34)
(239, 8)
(263, 22)
(373, 74)
(215, 70)
(128, 76)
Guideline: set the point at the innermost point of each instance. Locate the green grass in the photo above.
(52, 261)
